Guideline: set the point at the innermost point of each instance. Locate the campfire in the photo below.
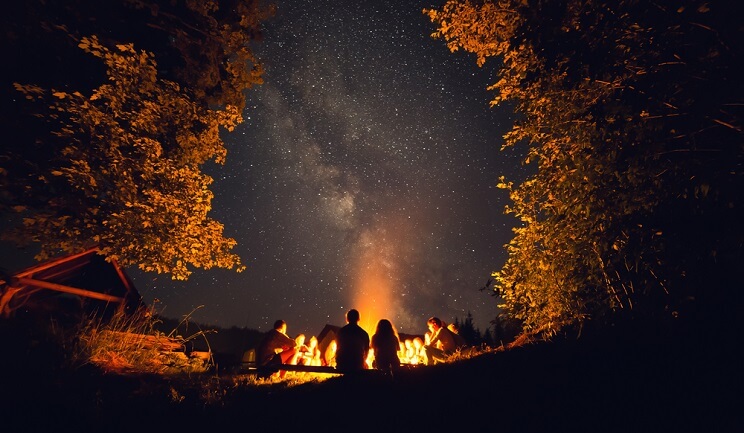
(321, 351)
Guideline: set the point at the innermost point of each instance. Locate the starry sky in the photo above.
(364, 176)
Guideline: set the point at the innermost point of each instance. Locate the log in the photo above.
(268, 369)
(158, 342)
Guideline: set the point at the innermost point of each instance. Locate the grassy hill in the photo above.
(617, 381)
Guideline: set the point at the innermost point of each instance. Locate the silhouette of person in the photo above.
(276, 347)
(441, 344)
(352, 345)
(385, 343)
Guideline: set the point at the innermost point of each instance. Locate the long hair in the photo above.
(386, 344)
(385, 327)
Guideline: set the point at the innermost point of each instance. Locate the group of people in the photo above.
(277, 347)
(353, 350)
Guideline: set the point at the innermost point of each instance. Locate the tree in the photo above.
(631, 113)
(505, 329)
(468, 331)
(488, 338)
(117, 161)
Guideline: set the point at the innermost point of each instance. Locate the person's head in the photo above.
(352, 316)
(418, 342)
(434, 323)
(280, 325)
(313, 341)
(300, 339)
(384, 326)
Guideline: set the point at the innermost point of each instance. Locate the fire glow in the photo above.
(373, 291)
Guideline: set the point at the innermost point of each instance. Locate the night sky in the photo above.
(363, 177)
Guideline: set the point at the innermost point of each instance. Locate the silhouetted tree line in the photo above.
(227, 344)
(503, 330)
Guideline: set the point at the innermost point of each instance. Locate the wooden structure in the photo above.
(327, 334)
(86, 274)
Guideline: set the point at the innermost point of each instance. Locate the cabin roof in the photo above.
(87, 274)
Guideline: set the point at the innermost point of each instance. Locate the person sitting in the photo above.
(385, 344)
(276, 347)
(352, 345)
(442, 342)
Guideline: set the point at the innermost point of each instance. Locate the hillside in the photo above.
(617, 382)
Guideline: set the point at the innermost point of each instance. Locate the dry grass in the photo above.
(130, 344)
(475, 351)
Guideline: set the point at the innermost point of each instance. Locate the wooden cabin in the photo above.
(86, 277)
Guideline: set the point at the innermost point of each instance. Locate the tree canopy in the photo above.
(631, 112)
(117, 107)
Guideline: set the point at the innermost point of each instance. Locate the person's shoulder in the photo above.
(361, 331)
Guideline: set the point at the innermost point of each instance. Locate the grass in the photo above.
(130, 344)
(609, 383)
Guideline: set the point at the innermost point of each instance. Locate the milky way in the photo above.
(363, 177)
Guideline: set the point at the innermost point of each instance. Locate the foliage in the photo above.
(121, 166)
(631, 112)
(213, 43)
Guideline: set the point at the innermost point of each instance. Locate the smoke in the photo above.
(381, 253)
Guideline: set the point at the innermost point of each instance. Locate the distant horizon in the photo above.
(24, 259)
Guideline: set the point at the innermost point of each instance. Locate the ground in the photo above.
(616, 383)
